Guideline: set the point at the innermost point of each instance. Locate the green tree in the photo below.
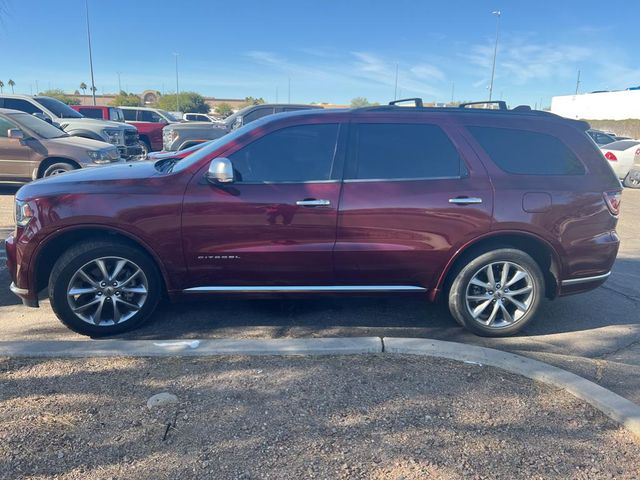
(224, 110)
(83, 87)
(126, 99)
(11, 83)
(248, 101)
(362, 102)
(1, 86)
(187, 102)
(60, 95)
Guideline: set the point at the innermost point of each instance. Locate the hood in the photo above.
(196, 126)
(84, 143)
(105, 179)
(92, 123)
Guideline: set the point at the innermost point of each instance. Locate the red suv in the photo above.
(491, 209)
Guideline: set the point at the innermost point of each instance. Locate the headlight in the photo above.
(114, 135)
(104, 156)
(24, 213)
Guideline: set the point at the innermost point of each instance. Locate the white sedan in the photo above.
(622, 156)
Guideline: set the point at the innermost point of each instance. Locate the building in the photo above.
(617, 105)
(150, 97)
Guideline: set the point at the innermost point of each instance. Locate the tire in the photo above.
(631, 182)
(57, 168)
(145, 148)
(111, 307)
(499, 310)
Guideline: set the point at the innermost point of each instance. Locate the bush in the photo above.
(126, 99)
(224, 110)
(60, 95)
(188, 102)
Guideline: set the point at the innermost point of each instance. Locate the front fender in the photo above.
(87, 134)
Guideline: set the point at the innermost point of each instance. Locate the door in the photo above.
(276, 224)
(15, 158)
(412, 195)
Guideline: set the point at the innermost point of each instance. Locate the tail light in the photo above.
(610, 156)
(613, 199)
(638, 152)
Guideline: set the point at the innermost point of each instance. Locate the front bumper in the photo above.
(129, 151)
(30, 299)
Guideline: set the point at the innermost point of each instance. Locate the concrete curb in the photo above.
(166, 348)
(612, 405)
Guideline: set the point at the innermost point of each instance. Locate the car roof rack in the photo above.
(417, 102)
(502, 105)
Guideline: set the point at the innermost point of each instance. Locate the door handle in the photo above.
(312, 202)
(465, 200)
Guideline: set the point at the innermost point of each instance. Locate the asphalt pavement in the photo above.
(596, 335)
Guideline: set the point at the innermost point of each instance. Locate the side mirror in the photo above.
(220, 171)
(237, 123)
(44, 117)
(15, 133)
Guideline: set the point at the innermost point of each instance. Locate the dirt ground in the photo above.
(340, 417)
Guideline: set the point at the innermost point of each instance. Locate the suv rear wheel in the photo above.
(102, 288)
(497, 293)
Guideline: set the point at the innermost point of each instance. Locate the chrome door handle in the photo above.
(465, 200)
(312, 202)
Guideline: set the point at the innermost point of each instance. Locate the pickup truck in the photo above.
(178, 136)
(150, 132)
(53, 111)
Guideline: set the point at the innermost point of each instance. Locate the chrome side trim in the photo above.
(575, 281)
(313, 203)
(465, 200)
(408, 179)
(306, 288)
(17, 290)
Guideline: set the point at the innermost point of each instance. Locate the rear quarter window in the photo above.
(524, 152)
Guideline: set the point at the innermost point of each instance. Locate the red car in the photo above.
(150, 132)
(491, 209)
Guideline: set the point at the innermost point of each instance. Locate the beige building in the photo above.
(150, 97)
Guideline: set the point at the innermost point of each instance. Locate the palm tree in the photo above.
(1, 86)
(83, 87)
(11, 83)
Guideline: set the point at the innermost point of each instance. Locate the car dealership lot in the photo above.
(596, 334)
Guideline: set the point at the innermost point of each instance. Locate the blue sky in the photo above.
(332, 50)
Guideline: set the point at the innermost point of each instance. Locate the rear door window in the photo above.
(91, 112)
(399, 151)
(130, 115)
(524, 152)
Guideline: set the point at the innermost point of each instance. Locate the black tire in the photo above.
(461, 288)
(631, 182)
(57, 168)
(83, 254)
(146, 148)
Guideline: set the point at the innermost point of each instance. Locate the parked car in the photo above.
(622, 155)
(31, 148)
(177, 155)
(125, 137)
(632, 180)
(150, 133)
(184, 135)
(148, 114)
(601, 138)
(491, 209)
(200, 117)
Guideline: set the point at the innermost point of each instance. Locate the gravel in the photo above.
(340, 417)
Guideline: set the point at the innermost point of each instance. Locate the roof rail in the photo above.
(416, 101)
(502, 105)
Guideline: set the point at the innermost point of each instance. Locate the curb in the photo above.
(611, 404)
(164, 348)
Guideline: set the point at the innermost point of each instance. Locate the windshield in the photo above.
(622, 145)
(58, 108)
(214, 145)
(34, 125)
(168, 116)
(232, 118)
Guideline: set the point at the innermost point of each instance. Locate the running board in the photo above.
(306, 289)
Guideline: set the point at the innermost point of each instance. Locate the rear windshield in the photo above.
(524, 152)
(622, 145)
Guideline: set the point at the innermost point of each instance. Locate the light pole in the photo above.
(93, 83)
(119, 84)
(497, 13)
(177, 87)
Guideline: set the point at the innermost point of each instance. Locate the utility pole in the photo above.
(37, 88)
(497, 13)
(578, 82)
(177, 87)
(93, 83)
(395, 90)
(119, 84)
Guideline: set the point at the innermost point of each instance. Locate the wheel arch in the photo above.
(51, 160)
(545, 255)
(48, 252)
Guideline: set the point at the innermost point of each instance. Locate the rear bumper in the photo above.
(582, 284)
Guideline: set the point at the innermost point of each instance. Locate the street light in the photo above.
(497, 13)
(177, 88)
(93, 83)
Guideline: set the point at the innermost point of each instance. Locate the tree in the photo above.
(187, 102)
(1, 86)
(249, 101)
(362, 102)
(60, 95)
(11, 83)
(83, 87)
(224, 110)
(126, 99)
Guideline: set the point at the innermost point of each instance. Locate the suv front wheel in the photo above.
(497, 293)
(102, 288)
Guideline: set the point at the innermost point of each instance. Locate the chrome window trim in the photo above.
(306, 288)
(287, 182)
(576, 281)
(362, 180)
